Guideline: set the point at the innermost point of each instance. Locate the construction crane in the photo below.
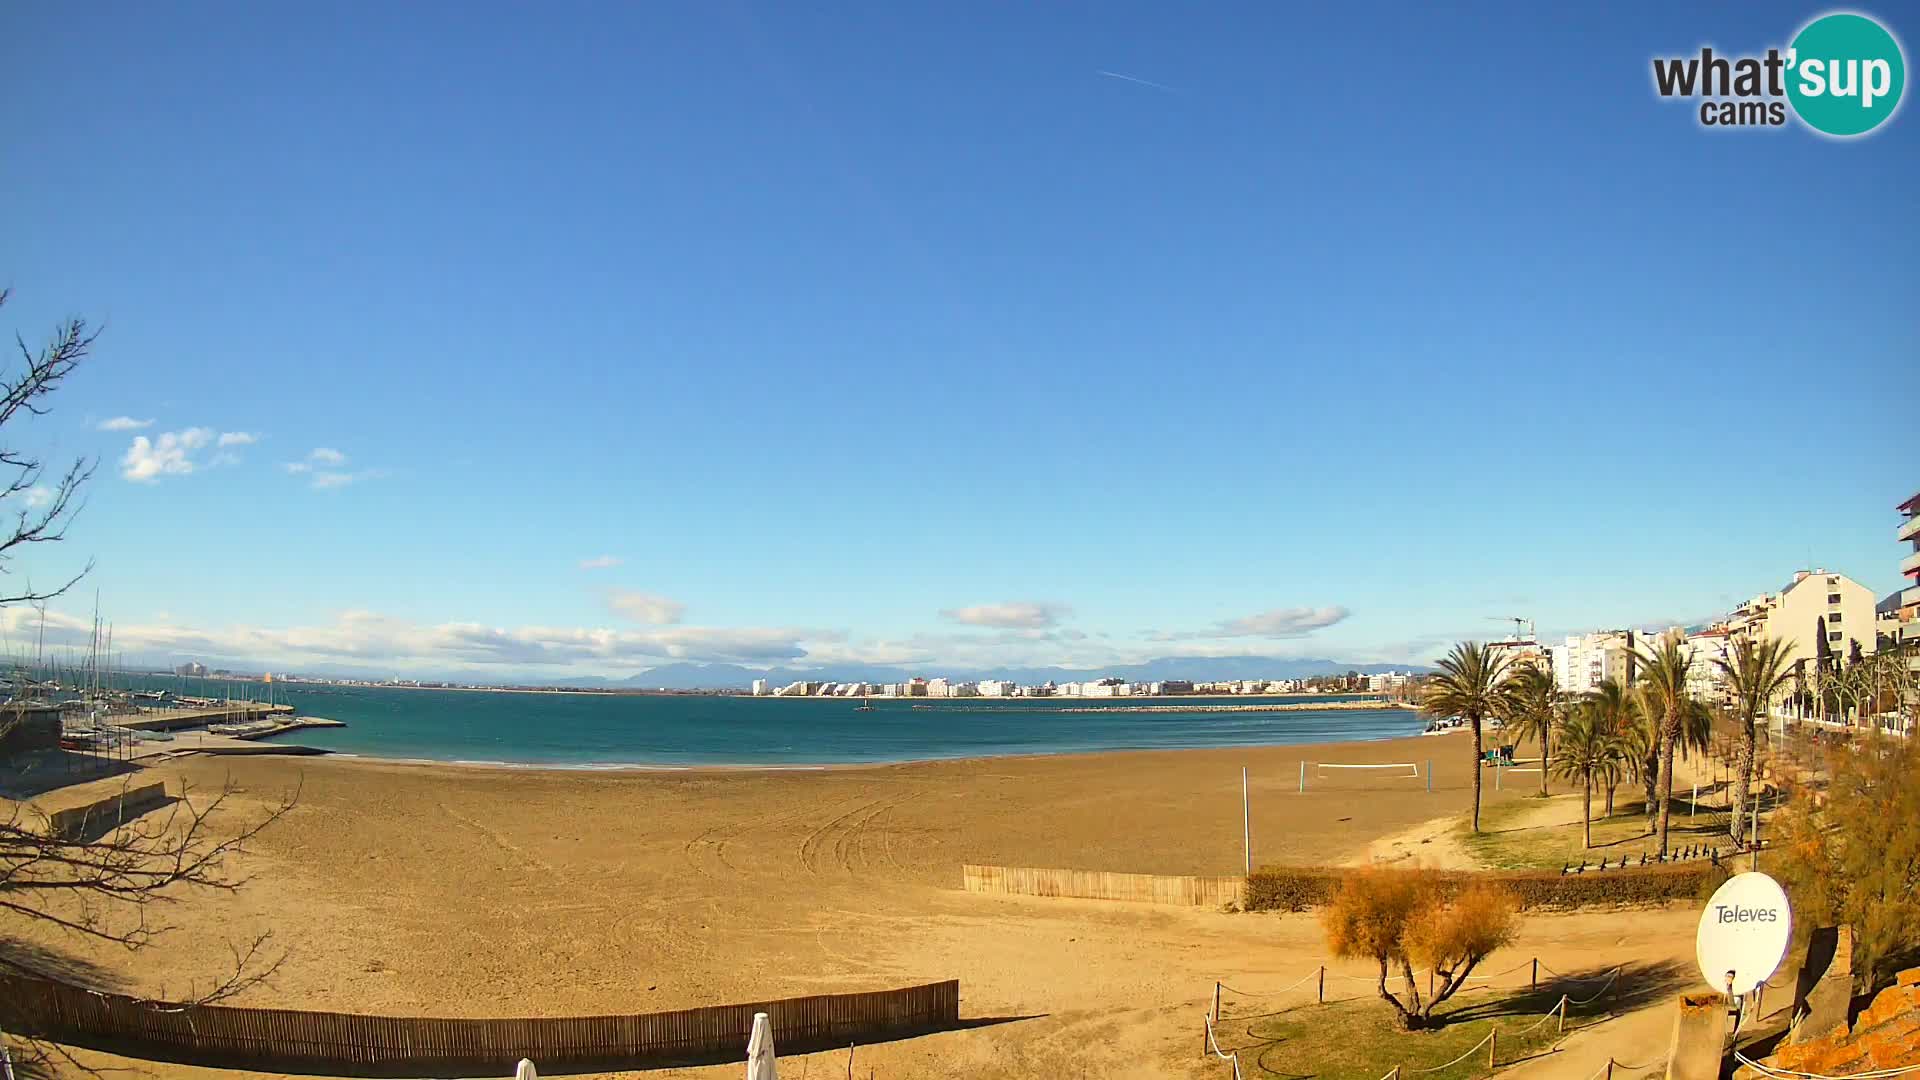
(1522, 627)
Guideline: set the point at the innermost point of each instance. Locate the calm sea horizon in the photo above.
(610, 731)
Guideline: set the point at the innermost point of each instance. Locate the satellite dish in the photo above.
(1743, 933)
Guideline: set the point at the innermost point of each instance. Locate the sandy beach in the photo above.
(432, 890)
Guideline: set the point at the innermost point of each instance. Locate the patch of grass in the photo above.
(1360, 1038)
(1505, 844)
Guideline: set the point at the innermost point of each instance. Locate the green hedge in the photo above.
(1297, 888)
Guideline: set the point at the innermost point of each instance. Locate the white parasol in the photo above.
(760, 1049)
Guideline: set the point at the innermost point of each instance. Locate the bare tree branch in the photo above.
(43, 510)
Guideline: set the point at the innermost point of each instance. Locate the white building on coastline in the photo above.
(1815, 609)
(1584, 661)
(1704, 679)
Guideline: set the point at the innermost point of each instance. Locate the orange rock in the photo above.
(1886, 1035)
(1894, 1053)
(1888, 1004)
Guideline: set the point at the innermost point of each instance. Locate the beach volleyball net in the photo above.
(1361, 776)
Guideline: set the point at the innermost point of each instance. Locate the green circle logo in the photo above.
(1845, 74)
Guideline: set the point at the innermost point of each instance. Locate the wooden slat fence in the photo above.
(356, 1045)
(1101, 885)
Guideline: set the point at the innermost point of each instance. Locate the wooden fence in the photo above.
(1100, 885)
(354, 1045)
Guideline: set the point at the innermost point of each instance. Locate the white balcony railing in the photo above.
(1910, 528)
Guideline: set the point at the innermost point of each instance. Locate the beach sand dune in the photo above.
(458, 891)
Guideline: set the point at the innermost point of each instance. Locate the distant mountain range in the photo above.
(1197, 668)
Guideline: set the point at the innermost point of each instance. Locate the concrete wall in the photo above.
(104, 815)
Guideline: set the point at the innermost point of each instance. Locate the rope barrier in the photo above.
(1213, 1045)
(1471, 978)
(1601, 991)
(1461, 1058)
(1275, 993)
(1559, 1009)
(1608, 975)
(1789, 1074)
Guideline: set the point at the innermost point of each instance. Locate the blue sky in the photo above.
(911, 333)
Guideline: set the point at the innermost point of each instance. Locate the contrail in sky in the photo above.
(1142, 82)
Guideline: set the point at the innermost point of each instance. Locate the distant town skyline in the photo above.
(434, 344)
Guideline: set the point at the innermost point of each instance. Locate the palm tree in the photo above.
(1471, 684)
(1589, 749)
(1640, 739)
(1754, 673)
(1533, 707)
(1643, 740)
(1663, 682)
(1618, 712)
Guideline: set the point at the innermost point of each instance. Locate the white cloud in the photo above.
(1013, 615)
(124, 423)
(323, 464)
(238, 438)
(37, 496)
(371, 638)
(645, 607)
(1277, 623)
(601, 562)
(147, 460)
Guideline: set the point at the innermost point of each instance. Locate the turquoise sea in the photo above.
(605, 731)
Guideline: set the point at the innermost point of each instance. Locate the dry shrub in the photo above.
(1855, 861)
(1447, 935)
(1370, 913)
(1404, 918)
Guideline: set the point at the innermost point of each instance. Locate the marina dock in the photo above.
(198, 715)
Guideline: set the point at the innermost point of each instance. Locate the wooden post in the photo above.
(1215, 1014)
(1246, 824)
(1534, 983)
(1609, 1069)
(1560, 1025)
(1493, 1047)
(1396, 1068)
(1323, 984)
(1303, 777)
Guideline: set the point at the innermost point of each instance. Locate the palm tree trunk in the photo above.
(1744, 781)
(1546, 756)
(1586, 815)
(1668, 736)
(1476, 773)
